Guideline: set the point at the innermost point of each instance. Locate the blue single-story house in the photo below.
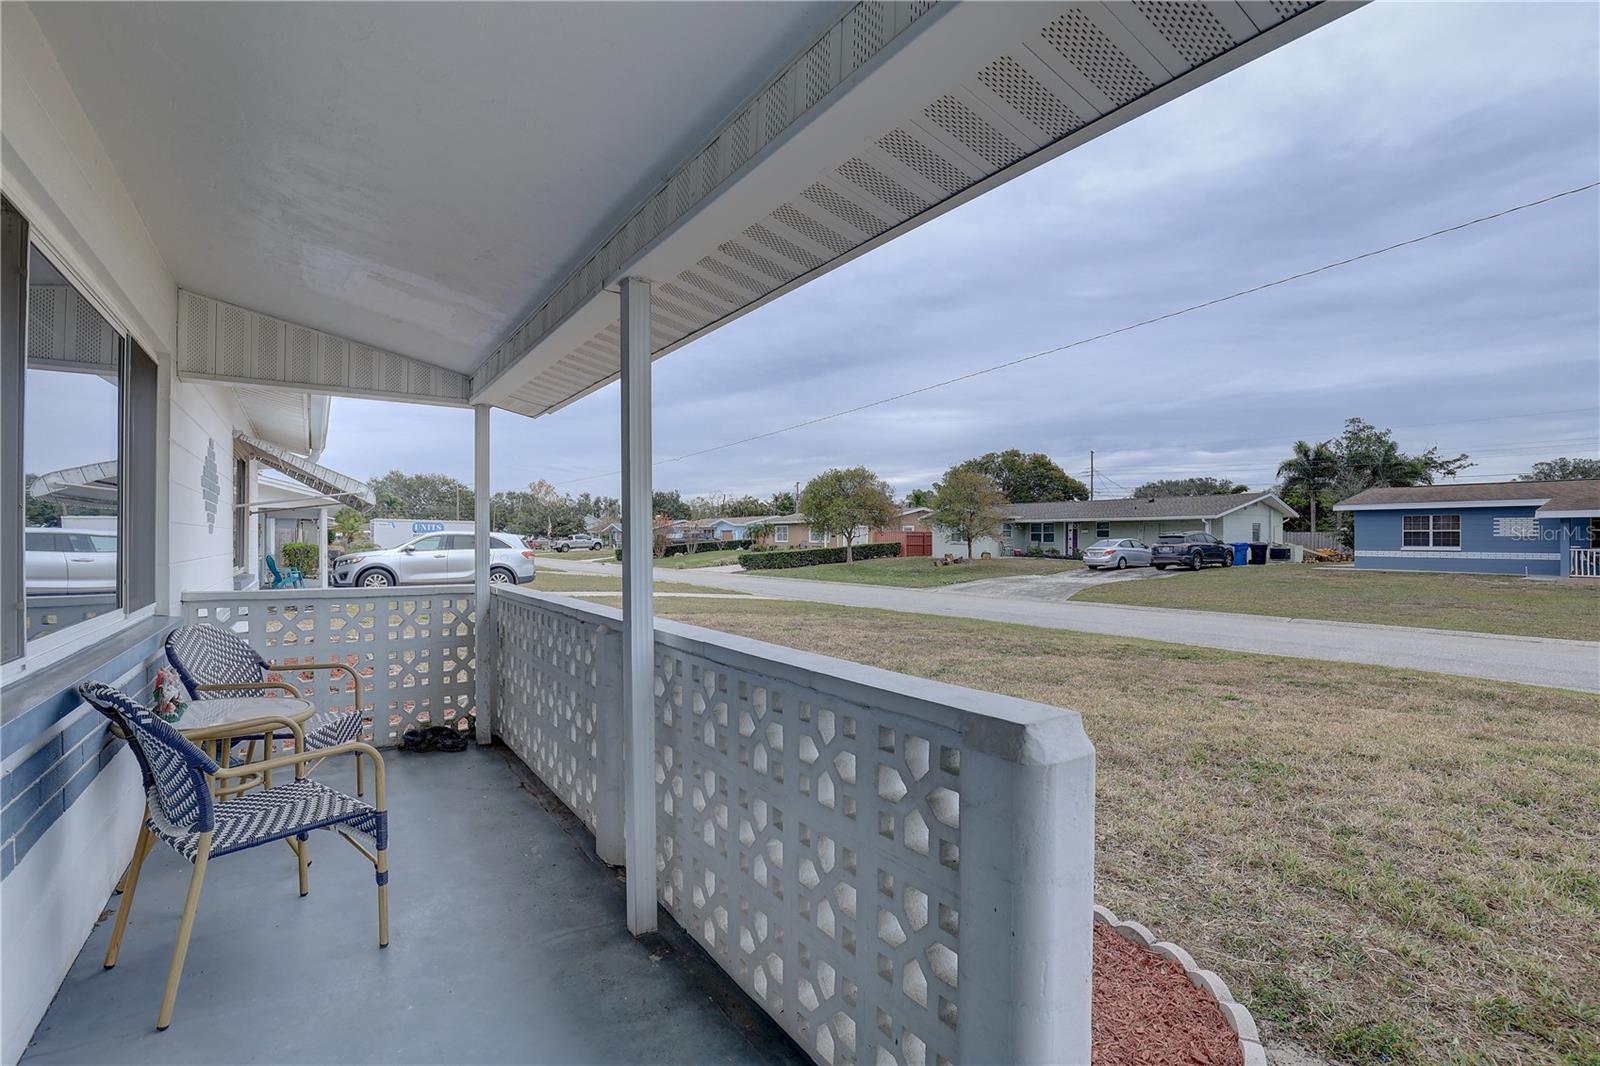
(1545, 528)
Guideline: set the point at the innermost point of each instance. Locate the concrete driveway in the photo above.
(1572, 664)
(1055, 588)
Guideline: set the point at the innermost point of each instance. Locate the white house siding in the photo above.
(57, 173)
(944, 544)
(1237, 526)
(54, 168)
(203, 419)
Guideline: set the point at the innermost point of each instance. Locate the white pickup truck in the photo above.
(577, 542)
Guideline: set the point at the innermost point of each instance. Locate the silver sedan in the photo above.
(1120, 554)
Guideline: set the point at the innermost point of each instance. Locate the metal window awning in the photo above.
(90, 483)
(340, 487)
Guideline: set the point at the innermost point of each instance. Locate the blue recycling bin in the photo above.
(1241, 553)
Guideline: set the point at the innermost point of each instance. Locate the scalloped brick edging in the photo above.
(1237, 1015)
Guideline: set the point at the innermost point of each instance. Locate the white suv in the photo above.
(68, 560)
(435, 559)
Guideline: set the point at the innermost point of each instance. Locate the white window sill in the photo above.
(1421, 548)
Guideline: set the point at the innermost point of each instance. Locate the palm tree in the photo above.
(348, 524)
(1310, 469)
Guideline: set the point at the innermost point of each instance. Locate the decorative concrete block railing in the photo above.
(897, 870)
(412, 647)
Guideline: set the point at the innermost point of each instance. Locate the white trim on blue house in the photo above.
(1453, 553)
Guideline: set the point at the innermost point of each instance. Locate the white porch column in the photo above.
(484, 629)
(322, 547)
(638, 612)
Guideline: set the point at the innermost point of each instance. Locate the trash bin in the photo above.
(1258, 553)
(1241, 553)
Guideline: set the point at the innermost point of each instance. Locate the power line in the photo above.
(1215, 301)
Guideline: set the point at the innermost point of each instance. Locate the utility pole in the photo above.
(1091, 473)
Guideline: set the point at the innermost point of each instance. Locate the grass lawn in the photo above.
(1480, 603)
(550, 581)
(1385, 865)
(920, 573)
(701, 559)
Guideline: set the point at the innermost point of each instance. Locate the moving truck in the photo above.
(393, 532)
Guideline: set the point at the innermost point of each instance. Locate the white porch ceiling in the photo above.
(407, 175)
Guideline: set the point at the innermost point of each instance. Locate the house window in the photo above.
(241, 514)
(1255, 531)
(1005, 531)
(70, 419)
(1102, 530)
(816, 535)
(780, 534)
(1431, 531)
(908, 529)
(1041, 533)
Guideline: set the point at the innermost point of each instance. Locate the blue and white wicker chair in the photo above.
(214, 663)
(179, 780)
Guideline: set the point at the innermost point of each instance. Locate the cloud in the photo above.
(1393, 121)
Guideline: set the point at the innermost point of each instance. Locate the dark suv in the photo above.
(1193, 550)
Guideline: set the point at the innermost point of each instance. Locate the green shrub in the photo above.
(301, 556)
(784, 560)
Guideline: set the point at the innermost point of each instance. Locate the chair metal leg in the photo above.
(304, 851)
(383, 898)
(141, 848)
(360, 781)
(185, 927)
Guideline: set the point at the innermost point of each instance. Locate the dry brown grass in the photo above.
(1384, 864)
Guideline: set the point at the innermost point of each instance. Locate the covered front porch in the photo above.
(511, 943)
(893, 870)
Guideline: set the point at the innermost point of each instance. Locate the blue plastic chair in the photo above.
(281, 580)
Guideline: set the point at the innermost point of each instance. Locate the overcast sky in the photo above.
(1394, 121)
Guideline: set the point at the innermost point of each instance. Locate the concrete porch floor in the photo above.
(508, 945)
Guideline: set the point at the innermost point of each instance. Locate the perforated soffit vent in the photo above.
(223, 342)
(1080, 64)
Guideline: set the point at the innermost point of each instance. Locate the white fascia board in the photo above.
(1593, 512)
(1436, 505)
(883, 93)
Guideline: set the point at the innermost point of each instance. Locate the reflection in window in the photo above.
(71, 433)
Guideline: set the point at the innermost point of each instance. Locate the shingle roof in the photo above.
(1149, 508)
(1555, 495)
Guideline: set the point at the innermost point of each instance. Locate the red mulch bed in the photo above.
(1147, 1013)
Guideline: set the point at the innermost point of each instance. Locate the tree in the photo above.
(670, 504)
(920, 497)
(1027, 478)
(783, 503)
(438, 496)
(838, 502)
(968, 505)
(1563, 470)
(1369, 457)
(759, 531)
(348, 525)
(1309, 470)
(1188, 486)
(721, 505)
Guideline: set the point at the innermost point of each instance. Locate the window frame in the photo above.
(1106, 527)
(1437, 525)
(40, 651)
(780, 534)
